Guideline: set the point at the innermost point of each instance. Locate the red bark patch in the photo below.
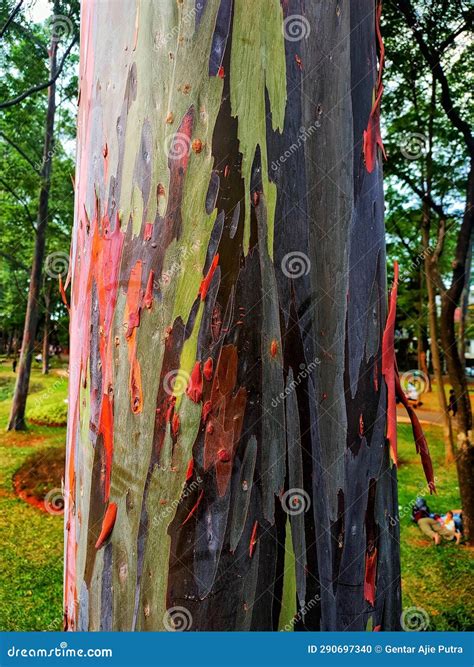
(190, 469)
(194, 509)
(107, 524)
(372, 135)
(148, 298)
(253, 539)
(370, 575)
(207, 280)
(226, 417)
(388, 366)
(106, 430)
(207, 369)
(148, 231)
(420, 440)
(274, 348)
(194, 388)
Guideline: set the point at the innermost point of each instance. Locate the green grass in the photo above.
(31, 549)
(437, 579)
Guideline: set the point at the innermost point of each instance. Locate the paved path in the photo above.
(425, 416)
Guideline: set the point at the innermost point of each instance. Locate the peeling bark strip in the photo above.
(232, 363)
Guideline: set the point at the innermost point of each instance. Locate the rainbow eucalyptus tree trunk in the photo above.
(228, 466)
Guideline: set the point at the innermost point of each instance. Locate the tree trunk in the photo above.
(422, 342)
(17, 413)
(464, 308)
(449, 302)
(437, 367)
(45, 355)
(227, 461)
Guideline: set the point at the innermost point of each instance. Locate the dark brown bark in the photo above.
(17, 413)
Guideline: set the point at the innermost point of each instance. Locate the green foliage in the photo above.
(24, 63)
(415, 128)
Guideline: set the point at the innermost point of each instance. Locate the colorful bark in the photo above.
(214, 391)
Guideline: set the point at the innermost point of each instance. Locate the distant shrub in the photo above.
(48, 414)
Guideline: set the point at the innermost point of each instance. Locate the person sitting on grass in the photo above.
(436, 529)
(450, 523)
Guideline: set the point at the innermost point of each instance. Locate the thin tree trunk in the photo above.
(9, 344)
(227, 461)
(436, 361)
(45, 355)
(464, 308)
(17, 413)
(421, 347)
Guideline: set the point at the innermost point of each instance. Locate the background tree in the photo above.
(19, 102)
(435, 61)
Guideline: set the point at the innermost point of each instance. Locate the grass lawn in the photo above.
(436, 579)
(439, 580)
(31, 552)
